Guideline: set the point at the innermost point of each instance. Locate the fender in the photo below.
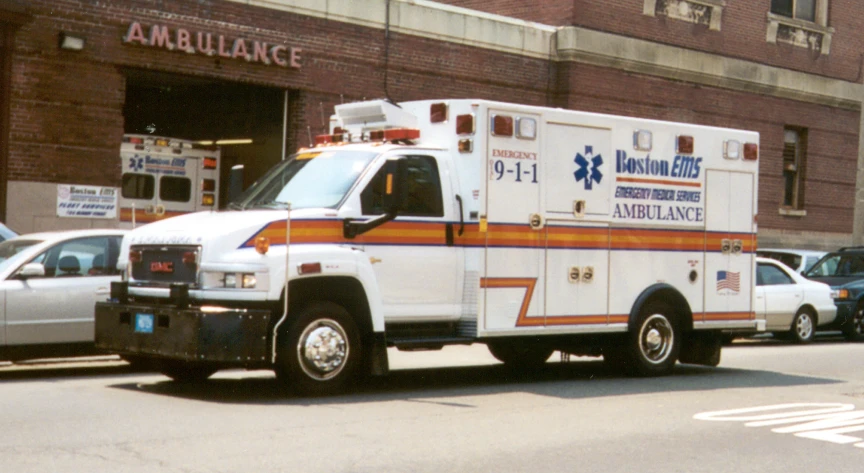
(670, 294)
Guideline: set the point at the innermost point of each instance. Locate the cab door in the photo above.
(416, 263)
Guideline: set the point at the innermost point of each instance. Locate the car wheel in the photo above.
(519, 353)
(853, 330)
(320, 353)
(186, 372)
(803, 327)
(652, 349)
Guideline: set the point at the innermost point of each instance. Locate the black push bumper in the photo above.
(228, 337)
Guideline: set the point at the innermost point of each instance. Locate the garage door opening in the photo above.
(206, 110)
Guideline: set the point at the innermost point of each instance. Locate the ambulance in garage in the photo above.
(433, 223)
(165, 177)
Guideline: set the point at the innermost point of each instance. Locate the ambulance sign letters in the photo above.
(86, 201)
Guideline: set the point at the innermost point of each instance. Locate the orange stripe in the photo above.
(715, 316)
(528, 284)
(658, 181)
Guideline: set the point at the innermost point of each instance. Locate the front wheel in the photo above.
(319, 354)
(853, 330)
(803, 327)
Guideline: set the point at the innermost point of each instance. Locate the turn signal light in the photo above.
(309, 268)
(262, 245)
(208, 199)
(135, 256)
(189, 257)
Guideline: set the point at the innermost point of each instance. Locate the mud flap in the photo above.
(377, 360)
(701, 348)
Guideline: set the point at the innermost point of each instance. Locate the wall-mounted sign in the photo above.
(86, 201)
(212, 44)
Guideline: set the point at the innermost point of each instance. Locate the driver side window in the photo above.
(422, 188)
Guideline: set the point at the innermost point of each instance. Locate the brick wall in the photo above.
(742, 35)
(832, 149)
(66, 115)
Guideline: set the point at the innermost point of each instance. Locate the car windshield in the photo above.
(10, 248)
(317, 179)
(839, 264)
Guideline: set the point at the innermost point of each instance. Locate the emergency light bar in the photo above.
(392, 134)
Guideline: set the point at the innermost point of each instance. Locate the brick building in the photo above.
(271, 70)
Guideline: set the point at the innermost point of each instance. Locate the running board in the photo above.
(430, 343)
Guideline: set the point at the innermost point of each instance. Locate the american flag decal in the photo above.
(728, 280)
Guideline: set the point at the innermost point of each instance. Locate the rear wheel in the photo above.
(652, 349)
(853, 330)
(519, 353)
(803, 327)
(320, 353)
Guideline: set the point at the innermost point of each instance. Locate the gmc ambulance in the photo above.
(165, 177)
(432, 223)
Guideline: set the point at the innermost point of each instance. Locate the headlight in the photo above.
(230, 280)
(249, 281)
(840, 294)
(234, 280)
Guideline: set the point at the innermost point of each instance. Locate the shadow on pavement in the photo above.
(576, 380)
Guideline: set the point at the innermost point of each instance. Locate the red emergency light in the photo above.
(751, 151)
(134, 140)
(209, 163)
(394, 134)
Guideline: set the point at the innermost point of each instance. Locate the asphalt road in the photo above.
(454, 410)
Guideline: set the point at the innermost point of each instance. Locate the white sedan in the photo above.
(791, 304)
(50, 283)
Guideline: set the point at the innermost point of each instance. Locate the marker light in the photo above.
(502, 125)
(684, 144)
(465, 124)
(438, 112)
(209, 163)
(262, 245)
(208, 199)
(731, 149)
(309, 268)
(642, 140)
(526, 128)
(751, 151)
(208, 185)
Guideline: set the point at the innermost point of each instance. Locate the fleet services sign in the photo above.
(86, 201)
(212, 44)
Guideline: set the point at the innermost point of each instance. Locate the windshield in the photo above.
(838, 265)
(318, 179)
(10, 248)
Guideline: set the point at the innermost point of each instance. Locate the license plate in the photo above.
(144, 323)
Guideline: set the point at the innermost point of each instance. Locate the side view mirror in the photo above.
(392, 199)
(31, 270)
(235, 182)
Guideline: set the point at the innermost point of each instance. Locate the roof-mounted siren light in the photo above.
(397, 134)
(642, 140)
(375, 114)
(751, 151)
(438, 112)
(684, 144)
(731, 149)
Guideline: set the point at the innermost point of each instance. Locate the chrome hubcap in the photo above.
(656, 339)
(804, 326)
(323, 349)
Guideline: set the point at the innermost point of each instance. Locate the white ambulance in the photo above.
(431, 223)
(165, 177)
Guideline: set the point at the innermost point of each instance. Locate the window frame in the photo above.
(794, 173)
(438, 212)
(805, 28)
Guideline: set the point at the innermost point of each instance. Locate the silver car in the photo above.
(50, 283)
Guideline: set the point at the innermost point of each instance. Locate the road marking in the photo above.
(828, 422)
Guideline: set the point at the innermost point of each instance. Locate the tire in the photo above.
(803, 327)
(854, 329)
(186, 372)
(320, 353)
(652, 348)
(519, 353)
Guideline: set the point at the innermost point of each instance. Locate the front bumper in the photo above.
(229, 337)
(845, 313)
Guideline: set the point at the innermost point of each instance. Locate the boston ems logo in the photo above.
(592, 175)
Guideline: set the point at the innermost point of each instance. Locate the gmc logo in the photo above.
(160, 267)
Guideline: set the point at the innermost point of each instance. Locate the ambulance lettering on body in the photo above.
(663, 190)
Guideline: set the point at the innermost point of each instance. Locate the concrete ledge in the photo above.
(824, 241)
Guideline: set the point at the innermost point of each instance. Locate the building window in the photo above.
(801, 9)
(794, 167)
(802, 23)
